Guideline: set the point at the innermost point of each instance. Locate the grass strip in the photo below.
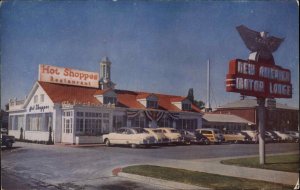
(218, 182)
(287, 163)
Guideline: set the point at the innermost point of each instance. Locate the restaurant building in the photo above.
(79, 107)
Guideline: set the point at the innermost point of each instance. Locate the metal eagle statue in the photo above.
(260, 43)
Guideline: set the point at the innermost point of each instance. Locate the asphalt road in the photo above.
(65, 167)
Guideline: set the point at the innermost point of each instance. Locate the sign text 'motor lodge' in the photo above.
(260, 80)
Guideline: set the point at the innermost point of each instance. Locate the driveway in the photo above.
(64, 166)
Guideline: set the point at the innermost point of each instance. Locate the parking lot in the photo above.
(66, 166)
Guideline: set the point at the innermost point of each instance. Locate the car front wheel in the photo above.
(107, 142)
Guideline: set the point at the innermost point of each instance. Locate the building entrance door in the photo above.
(67, 127)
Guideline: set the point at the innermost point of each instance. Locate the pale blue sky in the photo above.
(154, 46)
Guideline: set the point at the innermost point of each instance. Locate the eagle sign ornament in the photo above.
(259, 76)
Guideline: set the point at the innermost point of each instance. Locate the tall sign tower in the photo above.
(259, 76)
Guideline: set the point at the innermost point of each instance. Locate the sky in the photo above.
(154, 46)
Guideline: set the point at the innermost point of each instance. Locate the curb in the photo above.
(161, 182)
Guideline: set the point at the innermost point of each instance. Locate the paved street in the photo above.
(67, 167)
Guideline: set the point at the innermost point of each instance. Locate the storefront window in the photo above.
(118, 122)
(105, 126)
(10, 122)
(90, 123)
(39, 122)
(164, 122)
(187, 124)
(79, 125)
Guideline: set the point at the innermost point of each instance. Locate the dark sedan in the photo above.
(193, 137)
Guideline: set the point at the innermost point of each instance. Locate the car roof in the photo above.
(168, 128)
(150, 129)
(208, 129)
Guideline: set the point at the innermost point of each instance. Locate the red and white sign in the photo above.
(48, 73)
(258, 79)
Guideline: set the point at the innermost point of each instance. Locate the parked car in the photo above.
(7, 140)
(129, 136)
(268, 138)
(273, 136)
(193, 137)
(294, 135)
(214, 135)
(159, 135)
(172, 134)
(236, 137)
(253, 134)
(284, 137)
(248, 137)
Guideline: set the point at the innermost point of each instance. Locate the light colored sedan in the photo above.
(172, 134)
(284, 137)
(129, 136)
(235, 137)
(159, 135)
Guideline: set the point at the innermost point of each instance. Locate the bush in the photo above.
(34, 141)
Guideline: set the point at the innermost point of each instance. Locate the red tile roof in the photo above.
(142, 95)
(59, 93)
(177, 99)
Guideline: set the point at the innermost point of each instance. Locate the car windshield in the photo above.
(157, 131)
(245, 134)
(173, 131)
(140, 130)
(273, 133)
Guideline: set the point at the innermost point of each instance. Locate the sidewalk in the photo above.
(214, 166)
(160, 183)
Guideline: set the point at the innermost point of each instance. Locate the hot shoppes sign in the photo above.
(258, 79)
(48, 73)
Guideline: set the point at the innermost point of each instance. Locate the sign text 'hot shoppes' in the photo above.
(48, 73)
(260, 80)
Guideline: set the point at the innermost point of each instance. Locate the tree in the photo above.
(199, 104)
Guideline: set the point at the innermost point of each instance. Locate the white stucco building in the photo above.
(80, 112)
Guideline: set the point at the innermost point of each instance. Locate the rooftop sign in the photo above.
(53, 74)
